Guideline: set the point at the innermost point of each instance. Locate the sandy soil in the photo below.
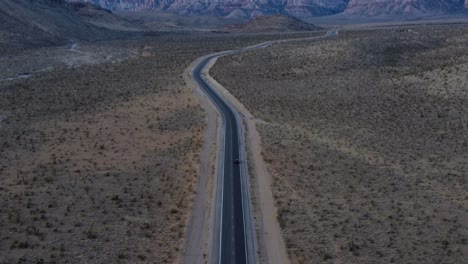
(366, 140)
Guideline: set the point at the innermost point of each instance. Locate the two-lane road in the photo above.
(234, 238)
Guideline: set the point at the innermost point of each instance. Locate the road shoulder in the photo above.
(198, 246)
(271, 245)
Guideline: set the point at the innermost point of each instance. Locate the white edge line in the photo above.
(240, 153)
(223, 133)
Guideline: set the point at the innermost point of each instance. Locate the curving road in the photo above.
(232, 237)
(234, 232)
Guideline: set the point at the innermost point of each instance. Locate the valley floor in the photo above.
(366, 138)
(99, 149)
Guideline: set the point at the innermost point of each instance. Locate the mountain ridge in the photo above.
(296, 8)
(237, 8)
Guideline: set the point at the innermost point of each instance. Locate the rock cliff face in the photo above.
(402, 7)
(236, 8)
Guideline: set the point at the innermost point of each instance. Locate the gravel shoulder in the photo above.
(272, 249)
(198, 243)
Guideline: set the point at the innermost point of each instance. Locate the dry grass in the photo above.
(366, 138)
(98, 163)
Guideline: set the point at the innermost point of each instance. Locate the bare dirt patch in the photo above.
(366, 138)
(29, 62)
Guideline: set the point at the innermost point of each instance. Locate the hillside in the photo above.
(409, 7)
(27, 23)
(275, 23)
(298, 8)
(102, 17)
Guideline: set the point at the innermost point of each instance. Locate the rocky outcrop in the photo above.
(303, 8)
(402, 7)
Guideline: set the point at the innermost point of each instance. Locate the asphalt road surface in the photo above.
(232, 249)
(234, 242)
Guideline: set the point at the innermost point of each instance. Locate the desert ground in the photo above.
(99, 149)
(366, 138)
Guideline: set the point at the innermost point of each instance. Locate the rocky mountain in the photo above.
(233, 8)
(297, 8)
(402, 7)
(274, 23)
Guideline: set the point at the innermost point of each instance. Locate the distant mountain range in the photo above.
(232, 8)
(297, 8)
